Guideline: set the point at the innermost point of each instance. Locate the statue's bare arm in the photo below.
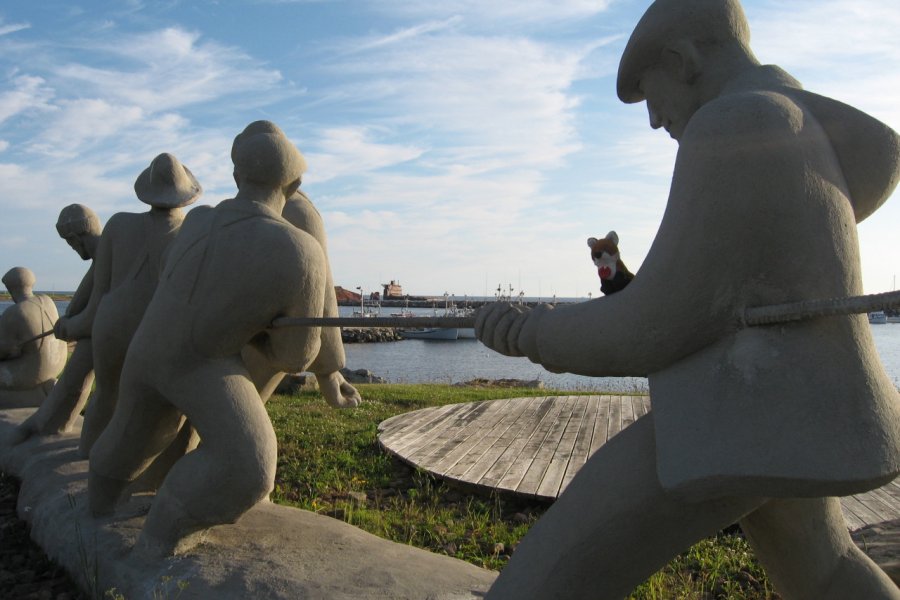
(737, 163)
(82, 295)
(79, 325)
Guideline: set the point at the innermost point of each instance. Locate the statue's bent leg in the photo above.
(108, 361)
(232, 470)
(808, 553)
(67, 398)
(143, 425)
(612, 528)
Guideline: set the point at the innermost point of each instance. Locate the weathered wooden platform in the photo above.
(534, 446)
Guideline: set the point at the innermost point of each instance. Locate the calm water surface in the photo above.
(424, 361)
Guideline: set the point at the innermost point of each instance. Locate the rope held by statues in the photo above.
(755, 316)
(752, 317)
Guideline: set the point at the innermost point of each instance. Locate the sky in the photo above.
(453, 146)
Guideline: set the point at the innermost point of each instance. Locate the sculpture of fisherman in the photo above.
(231, 271)
(762, 425)
(80, 227)
(126, 271)
(29, 364)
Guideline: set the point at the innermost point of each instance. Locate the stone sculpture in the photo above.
(762, 425)
(80, 227)
(300, 212)
(28, 364)
(126, 270)
(231, 271)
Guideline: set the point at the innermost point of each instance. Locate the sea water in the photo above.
(436, 361)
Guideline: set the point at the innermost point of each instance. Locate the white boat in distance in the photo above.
(430, 333)
(878, 318)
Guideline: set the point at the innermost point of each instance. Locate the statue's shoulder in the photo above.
(755, 112)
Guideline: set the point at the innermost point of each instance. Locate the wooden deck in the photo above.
(534, 446)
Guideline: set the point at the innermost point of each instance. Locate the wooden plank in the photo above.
(487, 429)
(535, 473)
(517, 439)
(882, 503)
(615, 417)
(582, 448)
(640, 406)
(556, 470)
(460, 428)
(530, 448)
(601, 428)
(854, 522)
(459, 469)
(398, 425)
(421, 435)
(490, 454)
(628, 416)
(412, 421)
(860, 510)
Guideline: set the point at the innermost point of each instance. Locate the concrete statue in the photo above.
(300, 212)
(126, 269)
(29, 364)
(762, 425)
(231, 271)
(80, 227)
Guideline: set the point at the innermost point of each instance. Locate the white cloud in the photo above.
(3, 145)
(170, 68)
(507, 12)
(13, 27)
(28, 93)
(350, 151)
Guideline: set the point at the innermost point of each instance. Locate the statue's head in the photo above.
(669, 54)
(80, 227)
(263, 155)
(19, 282)
(167, 183)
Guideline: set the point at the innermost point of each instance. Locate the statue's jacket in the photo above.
(769, 183)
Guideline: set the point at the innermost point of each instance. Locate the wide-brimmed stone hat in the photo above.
(704, 22)
(262, 153)
(167, 183)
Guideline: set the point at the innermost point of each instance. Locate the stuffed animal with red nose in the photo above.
(614, 275)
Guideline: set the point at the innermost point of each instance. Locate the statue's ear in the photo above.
(682, 59)
(613, 237)
(591, 242)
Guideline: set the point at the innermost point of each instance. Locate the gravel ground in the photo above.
(25, 571)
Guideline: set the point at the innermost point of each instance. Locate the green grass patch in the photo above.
(329, 462)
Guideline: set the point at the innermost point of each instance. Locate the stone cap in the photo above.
(76, 219)
(666, 22)
(262, 153)
(19, 277)
(167, 183)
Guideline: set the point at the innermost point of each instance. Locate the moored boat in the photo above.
(430, 333)
(877, 318)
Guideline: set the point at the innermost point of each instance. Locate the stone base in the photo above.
(272, 552)
(23, 398)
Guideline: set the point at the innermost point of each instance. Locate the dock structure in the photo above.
(533, 447)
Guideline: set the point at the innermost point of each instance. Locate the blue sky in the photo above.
(452, 145)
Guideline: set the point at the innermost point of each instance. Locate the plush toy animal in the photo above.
(614, 275)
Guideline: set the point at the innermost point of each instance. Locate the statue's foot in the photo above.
(337, 392)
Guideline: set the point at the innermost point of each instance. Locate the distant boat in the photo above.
(878, 318)
(430, 333)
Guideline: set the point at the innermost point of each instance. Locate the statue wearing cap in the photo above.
(80, 227)
(232, 269)
(300, 212)
(126, 269)
(29, 364)
(765, 425)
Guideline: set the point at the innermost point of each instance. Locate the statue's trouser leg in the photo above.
(231, 470)
(612, 528)
(150, 480)
(68, 396)
(108, 359)
(808, 553)
(142, 427)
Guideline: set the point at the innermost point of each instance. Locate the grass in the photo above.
(329, 462)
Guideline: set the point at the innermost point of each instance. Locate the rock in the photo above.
(297, 382)
(361, 376)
